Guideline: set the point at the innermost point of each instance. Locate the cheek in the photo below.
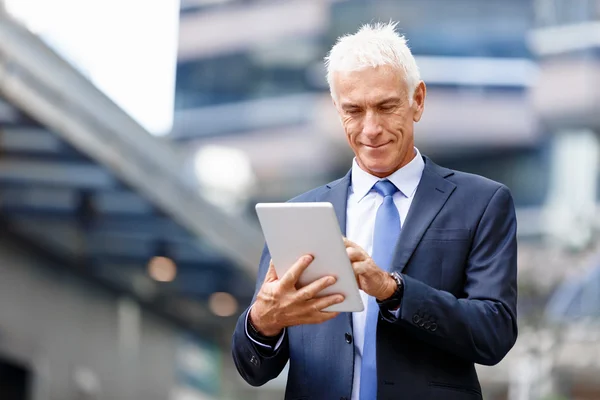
(398, 124)
(346, 122)
(351, 127)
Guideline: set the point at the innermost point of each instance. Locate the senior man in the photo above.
(434, 252)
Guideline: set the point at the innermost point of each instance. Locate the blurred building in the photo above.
(136, 139)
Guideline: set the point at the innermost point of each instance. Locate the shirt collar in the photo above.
(406, 178)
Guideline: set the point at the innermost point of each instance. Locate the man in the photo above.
(434, 252)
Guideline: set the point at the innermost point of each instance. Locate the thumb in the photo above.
(271, 273)
(349, 243)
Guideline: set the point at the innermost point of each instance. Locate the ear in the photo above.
(419, 101)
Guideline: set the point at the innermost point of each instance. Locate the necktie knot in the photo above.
(385, 188)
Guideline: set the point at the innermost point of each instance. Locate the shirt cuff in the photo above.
(391, 315)
(277, 345)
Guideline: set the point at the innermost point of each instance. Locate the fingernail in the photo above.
(339, 299)
(308, 258)
(331, 280)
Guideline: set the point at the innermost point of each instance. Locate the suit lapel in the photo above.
(432, 193)
(338, 196)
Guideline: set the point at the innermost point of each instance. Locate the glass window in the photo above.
(524, 171)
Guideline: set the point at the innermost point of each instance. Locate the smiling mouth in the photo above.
(378, 146)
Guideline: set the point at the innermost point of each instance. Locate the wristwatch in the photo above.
(394, 301)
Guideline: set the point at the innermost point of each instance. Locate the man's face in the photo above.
(375, 111)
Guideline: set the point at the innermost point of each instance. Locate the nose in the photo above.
(371, 125)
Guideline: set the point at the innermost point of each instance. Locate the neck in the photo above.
(408, 157)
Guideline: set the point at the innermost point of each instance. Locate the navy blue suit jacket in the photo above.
(458, 255)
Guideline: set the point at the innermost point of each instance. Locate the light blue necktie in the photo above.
(385, 236)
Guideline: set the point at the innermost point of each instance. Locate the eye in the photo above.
(387, 108)
(353, 111)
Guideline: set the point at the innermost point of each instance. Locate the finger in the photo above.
(290, 278)
(350, 243)
(355, 254)
(360, 267)
(271, 273)
(358, 281)
(317, 305)
(322, 317)
(310, 291)
(353, 248)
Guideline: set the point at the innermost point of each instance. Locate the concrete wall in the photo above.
(78, 338)
(74, 335)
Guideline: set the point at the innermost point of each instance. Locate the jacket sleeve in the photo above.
(255, 364)
(482, 326)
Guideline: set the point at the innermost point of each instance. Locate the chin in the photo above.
(378, 167)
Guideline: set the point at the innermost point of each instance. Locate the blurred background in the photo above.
(136, 137)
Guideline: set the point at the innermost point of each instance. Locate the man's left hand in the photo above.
(370, 278)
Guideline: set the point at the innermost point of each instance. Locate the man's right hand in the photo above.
(279, 304)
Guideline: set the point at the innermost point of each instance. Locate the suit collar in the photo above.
(406, 179)
(343, 181)
(436, 169)
(432, 180)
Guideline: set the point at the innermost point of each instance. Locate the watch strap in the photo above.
(394, 301)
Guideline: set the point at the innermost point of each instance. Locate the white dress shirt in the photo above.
(361, 210)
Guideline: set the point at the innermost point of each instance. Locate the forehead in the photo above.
(370, 84)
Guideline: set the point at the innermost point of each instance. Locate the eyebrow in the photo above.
(388, 100)
(349, 105)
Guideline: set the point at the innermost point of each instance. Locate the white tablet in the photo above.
(292, 230)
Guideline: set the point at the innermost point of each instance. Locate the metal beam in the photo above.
(127, 236)
(54, 173)
(204, 323)
(43, 85)
(29, 140)
(121, 227)
(9, 115)
(27, 198)
(121, 202)
(141, 250)
(199, 273)
(198, 280)
(34, 141)
(44, 200)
